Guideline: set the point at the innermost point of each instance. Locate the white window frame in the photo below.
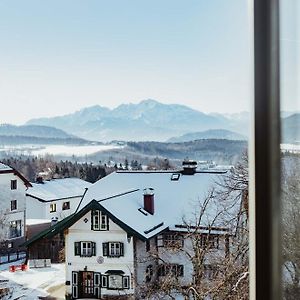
(114, 247)
(100, 221)
(86, 251)
(52, 207)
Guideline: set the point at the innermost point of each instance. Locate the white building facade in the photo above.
(13, 187)
(54, 199)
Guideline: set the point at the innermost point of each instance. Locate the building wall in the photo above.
(81, 231)
(6, 196)
(41, 210)
(158, 253)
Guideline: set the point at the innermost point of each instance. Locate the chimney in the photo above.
(39, 179)
(189, 167)
(149, 200)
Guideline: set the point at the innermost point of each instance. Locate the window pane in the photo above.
(290, 146)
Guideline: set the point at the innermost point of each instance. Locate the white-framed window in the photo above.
(104, 281)
(15, 229)
(75, 285)
(113, 249)
(126, 282)
(99, 220)
(52, 207)
(85, 249)
(173, 240)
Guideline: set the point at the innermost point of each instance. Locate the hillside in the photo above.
(290, 129)
(36, 134)
(220, 151)
(208, 134)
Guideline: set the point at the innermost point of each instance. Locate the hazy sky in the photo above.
(61, 55)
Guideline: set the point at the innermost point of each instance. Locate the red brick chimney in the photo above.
(149, 200)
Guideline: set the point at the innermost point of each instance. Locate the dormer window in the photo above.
(99, 220)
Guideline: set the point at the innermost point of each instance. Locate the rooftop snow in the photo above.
(121, 194)
(58, 189)
(4, 167)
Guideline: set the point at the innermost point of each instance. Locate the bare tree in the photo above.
(212, 243)
(291, 227)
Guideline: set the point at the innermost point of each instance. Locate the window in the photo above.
(99, 220)
(104, 281)
(85, 249)
(53, 207)
(210, 241)
(126, 284)
(13, 204)
(15, 229)
(173, 240)
(149, 273)
(75, 284)
(113, 249)
(13, 184)
(210, 271)
(66, 205)
(115, 281)
(174, 270)
(175, 177)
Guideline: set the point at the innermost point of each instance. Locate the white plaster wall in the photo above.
(6, 195)
(35, 209)
(81, 231)
(41, 210)
(60, 213)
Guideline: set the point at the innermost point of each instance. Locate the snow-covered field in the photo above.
(67, 150)
(35, 283)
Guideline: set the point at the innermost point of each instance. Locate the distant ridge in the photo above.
(36, 134)
(147, 120)
(208, 134)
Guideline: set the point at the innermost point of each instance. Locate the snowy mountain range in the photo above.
(147, 120)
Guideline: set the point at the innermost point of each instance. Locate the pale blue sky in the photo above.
(61, 55)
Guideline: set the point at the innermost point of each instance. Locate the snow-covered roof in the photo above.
(121, 194)
(58, 189)
(4, 167)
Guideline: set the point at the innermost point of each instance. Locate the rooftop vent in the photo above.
(149, 200)
(189, 167)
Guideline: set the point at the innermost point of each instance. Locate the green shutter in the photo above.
(105, 249)
(121, 249)
(77, 250)
(93, 249)
(92, 219)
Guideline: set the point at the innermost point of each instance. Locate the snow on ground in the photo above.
(35, 282)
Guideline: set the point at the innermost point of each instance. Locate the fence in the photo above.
(11, 256)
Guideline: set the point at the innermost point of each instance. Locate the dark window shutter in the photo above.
(77, 248)
(93, 249)
(105, 249)
(121, 249)
(180, 271)
(107, 222)
(92, 219)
